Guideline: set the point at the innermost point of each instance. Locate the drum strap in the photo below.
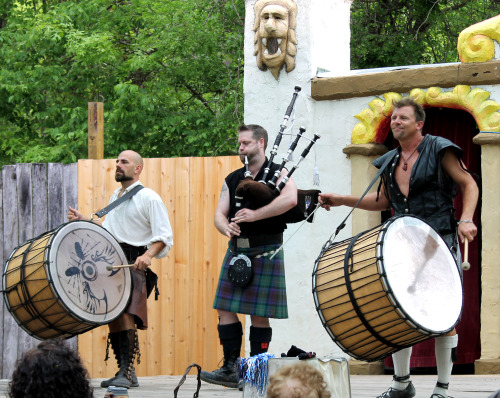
(342, 224)
(347, 261)
(112, 205)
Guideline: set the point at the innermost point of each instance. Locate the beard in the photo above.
(120, 177)
(250, 155)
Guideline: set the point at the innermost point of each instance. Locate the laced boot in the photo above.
(114, 342)
(227, 375)
(408, 392)
(128, 350)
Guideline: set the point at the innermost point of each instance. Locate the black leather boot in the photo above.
(408, 392)
(128, 350)
(114, 342)
(227, 374)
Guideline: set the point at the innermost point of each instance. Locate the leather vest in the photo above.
(431, 190)
(268, 226)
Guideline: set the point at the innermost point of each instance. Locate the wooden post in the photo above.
(96, 130)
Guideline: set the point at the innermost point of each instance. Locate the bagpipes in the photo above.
(262, 192)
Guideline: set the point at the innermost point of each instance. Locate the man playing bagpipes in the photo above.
(250, 281)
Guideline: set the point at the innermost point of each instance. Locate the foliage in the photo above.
(398, 32)
(169, 73)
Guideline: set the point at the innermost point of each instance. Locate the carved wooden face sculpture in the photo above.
(275, 41)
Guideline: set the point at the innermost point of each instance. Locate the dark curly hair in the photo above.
(50, 370)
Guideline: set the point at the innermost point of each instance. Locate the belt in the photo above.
(255, 241)
(127, 246)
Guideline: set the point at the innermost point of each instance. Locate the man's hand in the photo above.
(328, 200)
(467, 230)
(74, 214)
(142, 262)
(232, 229)
(244, 215)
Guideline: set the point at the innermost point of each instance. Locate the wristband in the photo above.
(461, 221)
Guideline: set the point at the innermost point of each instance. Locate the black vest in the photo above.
(268, 226)
(431, 190)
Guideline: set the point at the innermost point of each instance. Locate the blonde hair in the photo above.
(299, 380)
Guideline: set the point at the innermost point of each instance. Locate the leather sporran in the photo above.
(152, 283)
(240, 272)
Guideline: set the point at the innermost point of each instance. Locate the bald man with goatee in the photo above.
(142, 227)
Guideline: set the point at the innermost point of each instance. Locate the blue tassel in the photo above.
(253, 371)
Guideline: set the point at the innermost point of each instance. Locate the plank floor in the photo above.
(461, 386)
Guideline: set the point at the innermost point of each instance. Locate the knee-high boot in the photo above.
(259, 340)
(128, 350)
(226, 375)
(114, 342)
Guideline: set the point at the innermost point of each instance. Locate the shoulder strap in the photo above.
(112, 205)
(342, 224)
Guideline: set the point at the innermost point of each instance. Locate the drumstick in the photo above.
(112, 267)
(465, 263)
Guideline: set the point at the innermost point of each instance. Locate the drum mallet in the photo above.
(465, 263)
(112, 267)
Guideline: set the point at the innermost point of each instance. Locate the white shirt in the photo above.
(141, 220)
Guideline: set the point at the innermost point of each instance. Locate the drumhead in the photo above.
(421, 273)
(79, 253)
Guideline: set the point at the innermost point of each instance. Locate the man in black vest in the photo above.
(421, 180)
(255, 233)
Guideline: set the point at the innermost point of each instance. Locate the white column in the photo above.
(322, 32)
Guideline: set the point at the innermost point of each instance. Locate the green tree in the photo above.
(397, 32)
(169, 73)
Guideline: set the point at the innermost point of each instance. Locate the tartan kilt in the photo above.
(265, 296)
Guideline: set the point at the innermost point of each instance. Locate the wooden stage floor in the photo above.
(461, 386)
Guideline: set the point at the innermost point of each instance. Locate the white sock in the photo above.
(443, 348)
(401, 360)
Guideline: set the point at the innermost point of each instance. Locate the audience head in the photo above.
(299, 380)
(50, 370)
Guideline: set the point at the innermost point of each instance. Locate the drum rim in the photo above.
(4, 275)
(9, 308)
(54, 282)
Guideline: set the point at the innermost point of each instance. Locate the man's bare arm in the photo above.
(470, 194)
(222, 212)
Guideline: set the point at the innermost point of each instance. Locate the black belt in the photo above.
(255, 241)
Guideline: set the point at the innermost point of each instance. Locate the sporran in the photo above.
(240, 272)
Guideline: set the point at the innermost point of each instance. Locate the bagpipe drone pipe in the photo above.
(262, 192)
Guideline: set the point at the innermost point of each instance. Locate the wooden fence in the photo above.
(33, 200)
(182, 323)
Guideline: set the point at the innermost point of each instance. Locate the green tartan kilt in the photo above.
(265, 296)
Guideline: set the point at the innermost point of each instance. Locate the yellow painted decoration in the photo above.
(475, 101)
(475, 43)
(370, 119)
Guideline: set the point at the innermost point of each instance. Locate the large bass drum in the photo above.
(57, 284)
(387, 288)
